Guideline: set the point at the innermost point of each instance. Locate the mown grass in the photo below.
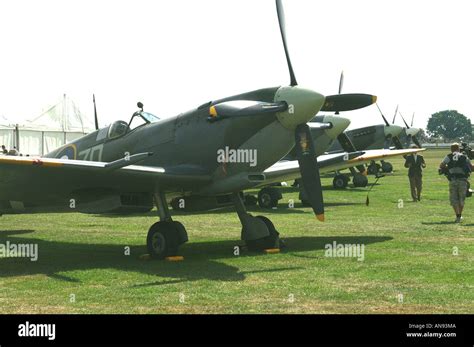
(410, 263)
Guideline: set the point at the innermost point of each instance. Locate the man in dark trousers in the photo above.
(415, 164)
(458, 168)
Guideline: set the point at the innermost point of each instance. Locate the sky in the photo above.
(176, 55)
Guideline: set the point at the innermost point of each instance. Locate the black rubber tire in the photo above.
(162, 240)
(181, 233)
(360, 180)
(373, 169)
(340, 182)
(270, 241)
(387, 167)
(268, 197)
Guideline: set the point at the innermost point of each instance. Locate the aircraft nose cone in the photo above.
(339, 124)
(413, 131)
(303, 105)
(392, 130)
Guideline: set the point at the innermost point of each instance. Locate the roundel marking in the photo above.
(68, 152)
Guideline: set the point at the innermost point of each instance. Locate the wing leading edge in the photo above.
(289, 170)
(23, 177)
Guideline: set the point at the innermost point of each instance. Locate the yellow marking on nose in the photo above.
(213, 111)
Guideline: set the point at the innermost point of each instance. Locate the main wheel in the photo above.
(360, 180)
(373, 169)
(162, 240)
(340, 182)
(181, 233)
(270, 241)
(387, 167)
(268, 197)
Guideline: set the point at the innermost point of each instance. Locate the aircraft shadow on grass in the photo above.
(200, 258)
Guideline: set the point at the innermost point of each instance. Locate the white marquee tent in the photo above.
(60, 124)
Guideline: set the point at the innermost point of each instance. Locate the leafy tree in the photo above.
(422, 136)
(450, 125)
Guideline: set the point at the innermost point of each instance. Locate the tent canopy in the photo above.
(58, 125)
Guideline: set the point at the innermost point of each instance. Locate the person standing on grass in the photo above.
(415, 164)
(458, 168)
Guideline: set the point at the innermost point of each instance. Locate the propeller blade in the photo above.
(384, 119)
(415, 141)
(281, 21)
(347, 102)
(404, 121)
(244, 108)
(348, 146)
(412, 117)
(309, 169)
(346, 143)
(95, 113)
(341, 82)
(397, 143)
(395, 115)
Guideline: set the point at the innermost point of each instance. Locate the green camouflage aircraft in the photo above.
(365, 138)
(409, 133)
(212, 152)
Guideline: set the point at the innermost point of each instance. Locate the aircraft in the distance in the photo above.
(212, 152)
(409, 133)
(365, 138)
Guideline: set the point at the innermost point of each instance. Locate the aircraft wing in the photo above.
(22, 178)
(289, 170)
(379, 154)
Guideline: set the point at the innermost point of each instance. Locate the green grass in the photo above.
(408, 251)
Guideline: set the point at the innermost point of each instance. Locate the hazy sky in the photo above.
(176, 55)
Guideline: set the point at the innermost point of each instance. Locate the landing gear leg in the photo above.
(164, 237)
(259, 233)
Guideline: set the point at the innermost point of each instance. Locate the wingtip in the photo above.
(320, 217)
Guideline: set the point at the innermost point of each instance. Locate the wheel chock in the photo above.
(175, 258)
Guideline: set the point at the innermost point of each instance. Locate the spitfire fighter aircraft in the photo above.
(145, 159)
(365, 138)
(409, 133)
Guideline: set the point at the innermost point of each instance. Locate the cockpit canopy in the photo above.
(120, 128)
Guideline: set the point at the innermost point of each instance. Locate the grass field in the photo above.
(415, 261)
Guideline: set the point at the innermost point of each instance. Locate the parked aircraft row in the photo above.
(149, 161)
